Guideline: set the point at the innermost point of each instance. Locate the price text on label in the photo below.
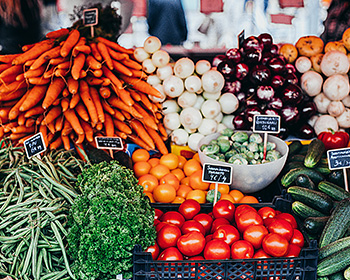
(213, 173)
(338, 158)
(34, 145)
(112, 143)
(90, 16)
(265, 123)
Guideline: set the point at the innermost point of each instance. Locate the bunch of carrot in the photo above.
(73, 88)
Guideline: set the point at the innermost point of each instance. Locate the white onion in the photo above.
(140, 54)
(311, 82)
(154, 99)
(152, 44)
(210, 108)
(160, 58)
(229, 103)
(184, 67)
(193, 83)
(321, 101)
(164, 72)
(191, 117)
(334, 62)
(346, 101)
(336, 87)
(193, 140)
(303, 64)
(344, 119)
(173, 86)
(187, 99)
(202, 66)
(208, 126)
(211, 95)
(199, 102)
(212, 81)
(179, 136)
(190, 130)
(148, 66)
(219, 117)
(153, 80)
(227, 120)
(170, 106)
(336, 108)
(324, 122)
(172, 121)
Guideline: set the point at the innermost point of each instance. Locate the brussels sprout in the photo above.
(250, 155)
(238, 160)
(253, 147)
(202, 147)
(256, 156)
(221, 157)
(255, 161)
(236, 146)
(255, 137)
(239, 136)
(223, 137)
(224, 145)
(243, 149)
(230, 153)
(227, 132)
(211, 194)
(213, 142)
(214, 156)
(245, 143)
(270, 146)
(211, 149)
(273, 155)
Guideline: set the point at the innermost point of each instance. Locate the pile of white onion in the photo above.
(193, 105)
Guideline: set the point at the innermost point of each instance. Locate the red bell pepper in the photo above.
(334, 139)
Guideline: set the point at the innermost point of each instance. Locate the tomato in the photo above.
(168, 236)
(268, 221)
(170, 254)
(288, 217)
(154, 250)
(191, 244)
(218, 222)
(293, 251)
(248, 218)
(267, 212)
(192, 225)
(228, 233)
(275, 245)
(208, 238)
(242, 249)
(255, 235)
(206, 221)
(158, 214)
(297, 238)
(261, 254)
(224, 209)
(216, 249)
(173, 217)
(189, 208)
(242, 208)
(160, 225)
(281, 227)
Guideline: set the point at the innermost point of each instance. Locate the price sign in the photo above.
(34, 145)
(338, 158)
(214, 173)
(111, 143)
(266, 123)
(90, 17)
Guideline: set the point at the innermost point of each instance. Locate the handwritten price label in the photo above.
(338, 158)
(34, 145)
(112, 143)
(213, 173)
(90, 17)
(266, 123)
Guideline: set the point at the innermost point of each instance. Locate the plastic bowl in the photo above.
(250, 178)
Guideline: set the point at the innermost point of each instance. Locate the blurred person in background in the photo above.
(20, 24)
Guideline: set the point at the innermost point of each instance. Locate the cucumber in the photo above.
(293, 164)
(333, 247)
(315, 199)
(323, 278)
(295, 147)
(303, 180)
(334, 263)
(315, 225)
(337, 276)
(336, 177)
(333, 190)
(347, 273)
(323, 169)
(314, 153)
(304, 211)
(289, 178)
(337, 224)
(299, 158)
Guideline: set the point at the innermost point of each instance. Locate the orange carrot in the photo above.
(145, 101)
(114, 101)
(110, 75)
(2, 133)
(146, 117)
(45, 57)
(138, 141)
(70, 42)
(13, 70)
(60, 73)
(56, 102)
(83, 74)
(105, 92)
(81, 151)
(72, 85)
(115, 45)
(99, 126)
(37, 110)
(11, 78)
(141, 86)
(97, 73)
(81, 42)
(105, 54)
(109, 126)
(67, 128)
(78, 64)
(56, 143)
(59, 123)
(21, 141)
(126, 114)
(65, 142)
(53, 113)
(27, 47)
(93, 81)
(57, 33)
(39, 81)
(124, 95)
(21, 120)
(122, 126)
(8, 58)
(64, 65)
(106, 82)
(17, 136)
(33, 98)
(43, 130)
(39, 119)
(72, 118)
(4, 111)
(65, 92)
(82, 48)
(97, 101)
(65, 104)
(82, 112)
(58, 60)
(121, 135)
(87, 100)
(14, 112)
(89, 133)
(74, 100)
(39, 71)
(33, 52)
(131, 64)
(138, 74)
(51, 127)
(162, 131)
(119, 116)
(120, 68)
(23, 129)
(158, 141)
(107, 108)
(30, 122)
(16, 85)
(49, 73)
(95, 52)
(117, 55)
(8, 126)
(53, 92)
(135, 95)
(142, 132)
(80, 138)
(93, 63)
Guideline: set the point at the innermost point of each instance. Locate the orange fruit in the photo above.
(164, 193)
(237, 195)
(249, 199)
(141, 168)
(178, 173)
(178, 199)
(183, 191)
(226, 196)
(198, 195)
(170, 179)
(159, 171)
(140, 155)
(150, 196)
(196, 157)
(182, 161)
(222, 188)
(191, 166)
(148, 182)
(196, 182)
(185, 181)
(153, 161)
(170, 160)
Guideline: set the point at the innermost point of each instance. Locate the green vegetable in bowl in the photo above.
(240, 137)
(273, 155)
(227, 132)
(256, 138)
(253, 147)
(224, 145)
(211, 149)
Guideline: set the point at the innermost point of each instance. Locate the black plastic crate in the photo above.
(303, 267)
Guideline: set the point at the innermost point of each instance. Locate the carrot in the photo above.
(97, 73)
(61, 72)
(21, 120)
(95, 52)
(74, 100)
(158, 141)
(138, 73)
(162, 131)
(121, 135)
(58, 60)
(81, 151)
(106, 81)
(124, 95)
(70, 42)
(64, 65)
(34, 52)
(114, 101)
(81, 42)
(53, 113)
(120, 68)
(23, 129)
(65, 104)
(39, 71)
(65, 92)
(135, 95)
(37, 110)
(59, 123)
(13, 70)
(83, 74)
(97, 101)
(72, 85)
(110, 75)
(56, 102)
(2, 133)
(93, 63)
(39, 119)
(16, 85)
(67, 128)
(8, 58)
(145, 101)
(105, 55)
(30, 122)
(109, 126)
(82, 48)
(142, 132)
(87, 100)
(80, 139)
(57, 33)
(122, 126)
(51, 127)
(107, 107)
(27, 47)
(43, 130)
(78, 64)
(89, 132)
(14, 112)
(4, 111)
(54, 90)
(138, 141)
(93, 81)
(56, 143)
(115, 45)
(36, 94)
(17, 136)
(8, 126)
(82, 112)
(19, 77)
(141, 86)
(147, 119)
(126, 115)
(131, 64)
(65, 142)
(99, 126)
(49, 73)
(39, 81)
(117, 55)
(105, 92)
(72, 118)
(46, 56)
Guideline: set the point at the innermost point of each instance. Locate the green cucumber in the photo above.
(315, 225)
(304, 211)
(347, 273)
(323, 278)
(323, 169)
(304, 181)
(314, 153)
(337, 224)
(289, 178)
(295, 147)
(333, 190)
(293, 164)
(299, 158)
(336, 177)
(315, 199)
(333, 247)
(334, 263)
(337, 276)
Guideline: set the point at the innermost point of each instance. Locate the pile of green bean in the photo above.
(35, 197)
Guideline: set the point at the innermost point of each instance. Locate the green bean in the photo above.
(53, 275)
(53, 170)
(38, 268)
(44, 168)
(50, 260)
(29, 252)
(66, 170)
(21, 186)
(8, 200)
(45, 258)
(14, 238)
(18, 250)
(35, 251)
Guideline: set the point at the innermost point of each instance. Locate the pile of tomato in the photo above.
(227, 232)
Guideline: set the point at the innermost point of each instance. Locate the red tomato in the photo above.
(281, 227)
(218, 222)
(206, 221)
(158, 214)
(196, 258)
(268, 221)
(208, 238)
(191, 243)
(192, 225)
(297, 238)
(242, 249)
(228, 233)
(275, 245)
(293, 251)
(267, 212)
(242, 208)
(168, 236)
(160, 225)
(288, 217)
(189, 208)
(261, 254)
(216, 249)
(248, 218)
(224, 209)
(170, 254)
(255, 235)
(173, 217)
(154, 250)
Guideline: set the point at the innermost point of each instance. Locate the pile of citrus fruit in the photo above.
(173, 179)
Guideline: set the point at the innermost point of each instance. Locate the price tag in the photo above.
(240, 39)
(34, 145)
(266, 123)
(90, 17)
(338, 158)
(214, 173)
(111, 143)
